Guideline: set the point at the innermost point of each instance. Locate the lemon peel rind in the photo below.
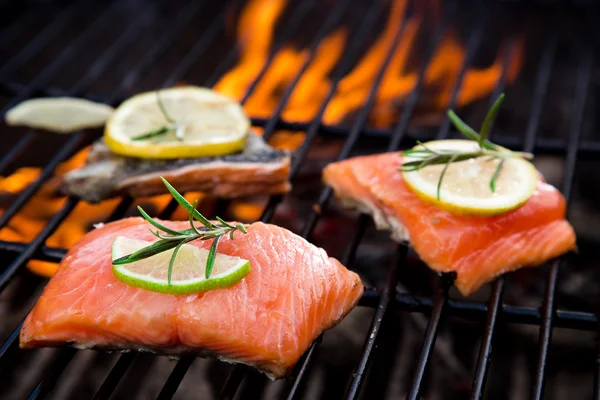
(120, 143)
(471, 206)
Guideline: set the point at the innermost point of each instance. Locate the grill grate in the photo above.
(385, 300)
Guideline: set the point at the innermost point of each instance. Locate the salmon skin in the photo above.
(257, 170)
(267, 320)
(477, 248)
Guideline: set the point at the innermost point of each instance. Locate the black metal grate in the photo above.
(385, 300)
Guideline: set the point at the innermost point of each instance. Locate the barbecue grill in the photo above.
(502, 336)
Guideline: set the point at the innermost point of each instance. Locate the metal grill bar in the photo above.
(12, 31)
(32, 247)
(498, 285)
(183, 19)
(348, 261)
(548, 308)
(114, 377)
(589, 149)
(301, 153)
(76, 142)
(108, 57)
(380, 313)
(65, 56)
(442, 290)
(126, 360)
(63, 213)
(96, 70)
(43, 38)
(168, 210)
(17, 151)
(70, 146)
(175, 378)
(327, 191)
(474, 311)
(292, 27)
(332, 19)
(235, 378)
(49, 381)
(385, 298)
(597, 369)
(199, 48)
(540, 90)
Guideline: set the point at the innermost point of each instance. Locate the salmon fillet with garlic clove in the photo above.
(267, 320)
(477, 248)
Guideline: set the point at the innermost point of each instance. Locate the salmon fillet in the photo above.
(258, 169)
(477, 248)
(292, 294)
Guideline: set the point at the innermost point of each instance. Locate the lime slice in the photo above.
(466, 188)
(198, 122)
(188, 269)
(59, 114)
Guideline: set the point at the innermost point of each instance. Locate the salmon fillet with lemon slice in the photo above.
(477, 248)
(267, 320)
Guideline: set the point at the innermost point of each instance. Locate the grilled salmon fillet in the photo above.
(257, 170)
(477, 248)
(267, 320)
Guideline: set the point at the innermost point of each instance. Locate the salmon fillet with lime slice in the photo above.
(267, 320)
(477, 248)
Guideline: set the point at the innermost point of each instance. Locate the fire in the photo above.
(255, 35)
(42, 207)
(255, 30)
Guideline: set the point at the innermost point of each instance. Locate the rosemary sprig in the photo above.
(423, 156)
(163, 130)
(170, 238)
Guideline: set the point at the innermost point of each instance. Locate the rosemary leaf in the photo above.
(163, 109)
(165, 237)
(486, 126)
(186, 204)
(194, 227)
(496, 175)
(212, 254)
(224, 223)
(157, 132)
(439, 185)
(469, 132)
(148, 251)
(420, 158)
(170, 238)
(425, 147)
(462, 127)
(157, 224)
(172, 261)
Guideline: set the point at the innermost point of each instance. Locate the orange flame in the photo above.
(254, 36)
(24, 226)
(352, 91)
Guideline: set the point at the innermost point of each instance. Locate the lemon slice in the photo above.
(465, 186)
(200, 123)
(59, 114)
(188, 269)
